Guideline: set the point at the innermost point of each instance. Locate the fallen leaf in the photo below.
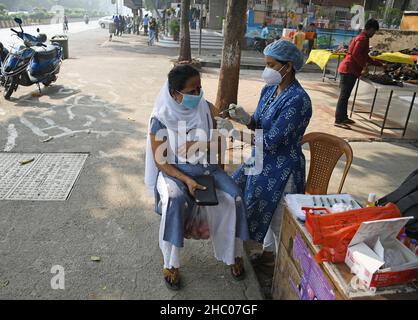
(4, 283)
(48, 139)
(94, 258)
(23, 162)
(104, 288)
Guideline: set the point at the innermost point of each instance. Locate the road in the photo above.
(50, 30)
(100, 104)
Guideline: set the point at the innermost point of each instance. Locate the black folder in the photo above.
(206, 197)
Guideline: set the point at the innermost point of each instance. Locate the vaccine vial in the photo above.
(371, 200)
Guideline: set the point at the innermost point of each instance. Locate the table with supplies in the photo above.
(298, 275)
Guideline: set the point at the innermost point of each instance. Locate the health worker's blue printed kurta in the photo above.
(284, 119)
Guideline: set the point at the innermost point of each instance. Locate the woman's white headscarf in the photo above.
(175, 117)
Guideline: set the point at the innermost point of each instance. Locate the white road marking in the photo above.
(11, 138)
(91, 120)
(34, 128)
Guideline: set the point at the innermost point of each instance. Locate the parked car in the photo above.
(105, 21)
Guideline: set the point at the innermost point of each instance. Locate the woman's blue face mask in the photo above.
(191, 101)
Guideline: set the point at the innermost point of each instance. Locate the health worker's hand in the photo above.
(238, 114)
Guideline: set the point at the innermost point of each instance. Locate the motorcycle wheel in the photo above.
(259, 47)
(10, 85)
(49, 82)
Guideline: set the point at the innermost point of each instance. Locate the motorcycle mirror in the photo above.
(18, 21)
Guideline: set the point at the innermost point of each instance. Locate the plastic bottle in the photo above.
(413, 245)
(402, 238)
(371, 200)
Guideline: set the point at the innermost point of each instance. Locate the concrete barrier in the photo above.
(30, 22)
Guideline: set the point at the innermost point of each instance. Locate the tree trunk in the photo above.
(185, 50)
(231, 55)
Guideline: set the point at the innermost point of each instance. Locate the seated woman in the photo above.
(180, 105)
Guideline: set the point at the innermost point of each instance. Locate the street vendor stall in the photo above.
(396, 80)
(321, 57)
(298, 275)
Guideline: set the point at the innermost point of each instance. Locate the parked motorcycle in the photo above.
(3, 55)
(34, 62)
(260, 43)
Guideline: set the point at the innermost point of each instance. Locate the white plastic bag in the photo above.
(196, 225)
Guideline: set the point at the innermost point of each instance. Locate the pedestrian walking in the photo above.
(65, 24)
(122, 25)
(351, 69)
(151, 33)
(311, 36)
(204, 15)
(145, 24)
(116, 21)
(137, 21)
(112, 30)
(299, 38)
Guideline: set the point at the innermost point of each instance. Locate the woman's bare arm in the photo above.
(169, 169)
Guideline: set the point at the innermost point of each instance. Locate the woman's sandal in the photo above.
(237, 269)
(172, 278)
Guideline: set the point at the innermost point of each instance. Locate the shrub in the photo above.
(174, 26)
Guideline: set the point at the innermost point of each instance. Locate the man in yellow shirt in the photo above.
(299, 38)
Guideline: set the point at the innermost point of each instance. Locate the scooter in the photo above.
(3, 55)
(31, 63)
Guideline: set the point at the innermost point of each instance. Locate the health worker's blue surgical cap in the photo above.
(285, 51)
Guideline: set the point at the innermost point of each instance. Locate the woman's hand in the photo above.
(193, 186)
(238, 114)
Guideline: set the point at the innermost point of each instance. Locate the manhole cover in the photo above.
(50, 176)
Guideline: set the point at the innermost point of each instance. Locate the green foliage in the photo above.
(390, 16)
(40, 13)
(174, 26)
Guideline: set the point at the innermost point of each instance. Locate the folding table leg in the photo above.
(386, 113)
(374, 101)
(355, 96)
(409, 113)
(336, 70)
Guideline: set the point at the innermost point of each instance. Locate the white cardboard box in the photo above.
(369, 252)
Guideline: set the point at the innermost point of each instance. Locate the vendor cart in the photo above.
(297, 276)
